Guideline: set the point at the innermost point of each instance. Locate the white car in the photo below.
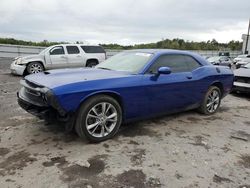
(242, 62)
(241, 57)
(59, 56)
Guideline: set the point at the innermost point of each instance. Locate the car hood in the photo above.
(60, 77)
(242, 72)
(30, 57)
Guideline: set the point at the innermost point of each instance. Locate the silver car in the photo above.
(59, 56)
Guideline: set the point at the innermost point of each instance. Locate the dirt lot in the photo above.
(181, 150)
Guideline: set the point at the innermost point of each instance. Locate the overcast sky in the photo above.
(124, 21)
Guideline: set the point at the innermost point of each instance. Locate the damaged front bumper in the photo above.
(17, 69)
(39, 101)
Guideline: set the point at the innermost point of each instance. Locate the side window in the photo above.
(72, 50)
(93, 49)
(57, 50)
(177, 63)
(192, 63)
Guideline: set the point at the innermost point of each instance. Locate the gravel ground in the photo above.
(180, 150)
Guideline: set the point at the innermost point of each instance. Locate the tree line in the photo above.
(164, 43)
(181, 44)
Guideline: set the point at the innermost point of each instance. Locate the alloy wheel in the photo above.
(213, 101)
(101, 119)
(36, 68)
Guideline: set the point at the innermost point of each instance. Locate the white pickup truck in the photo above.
(59, 56)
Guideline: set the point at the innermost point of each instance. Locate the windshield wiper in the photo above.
(104, 68)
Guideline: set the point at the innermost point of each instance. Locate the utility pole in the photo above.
(246, 51)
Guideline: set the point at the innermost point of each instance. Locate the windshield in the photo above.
(126, 61)
(216, 58)
(247, 66)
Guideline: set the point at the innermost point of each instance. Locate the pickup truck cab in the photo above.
(59, 56)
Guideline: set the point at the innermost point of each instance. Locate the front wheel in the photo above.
(99, 118)
(35, 67)
(211, 101)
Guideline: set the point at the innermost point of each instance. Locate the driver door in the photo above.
(175, 91)
(58, 58)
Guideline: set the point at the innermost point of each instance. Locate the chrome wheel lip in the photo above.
(103, 117)
(35, 68)
(213, 101)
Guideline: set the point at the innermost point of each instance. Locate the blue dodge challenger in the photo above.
(131, 85)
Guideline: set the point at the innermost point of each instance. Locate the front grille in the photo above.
(242, 79)
(23, 104)
(32, 92)
(34, 96)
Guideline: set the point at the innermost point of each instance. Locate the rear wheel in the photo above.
(211, 101)
(99, 118)
(91, 63)
(35, 67)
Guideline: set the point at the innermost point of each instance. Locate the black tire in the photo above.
(34, 67)
(204, 109)
(91, 63)
(84, 111)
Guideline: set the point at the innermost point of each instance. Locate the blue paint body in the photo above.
(141, 95)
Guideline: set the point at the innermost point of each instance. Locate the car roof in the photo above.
(159, 52)
(164, 51)
(72, 44)
(80, 44)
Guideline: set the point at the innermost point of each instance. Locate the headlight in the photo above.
(19, 61)
(45, 98)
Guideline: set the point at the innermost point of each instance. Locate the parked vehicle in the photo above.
(131, 85)
(220, 60)
(59, 56)
(240, 58)
(242, 62)
(242, 79)
(227, 54)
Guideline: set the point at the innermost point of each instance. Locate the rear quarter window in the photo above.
(191, 63)
(93, 49)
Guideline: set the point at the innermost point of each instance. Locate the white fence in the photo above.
(11, 51)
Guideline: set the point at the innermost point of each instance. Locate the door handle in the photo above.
(189, 77)
(78, 56)
(63, 57)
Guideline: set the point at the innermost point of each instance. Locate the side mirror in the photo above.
(164, 70)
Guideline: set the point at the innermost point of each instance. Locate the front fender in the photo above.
(107, 92)
(27, 61)
(71, 102)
